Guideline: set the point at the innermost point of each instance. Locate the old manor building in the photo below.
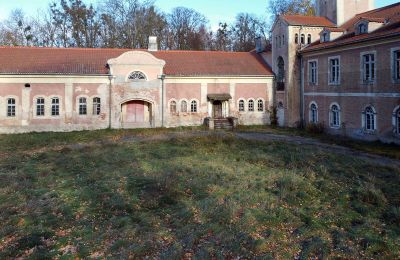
(340, 69)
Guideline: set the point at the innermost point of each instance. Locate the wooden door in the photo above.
(135, 112)
(217, 108)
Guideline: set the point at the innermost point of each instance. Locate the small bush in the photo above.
(317, 128)
(393, 215)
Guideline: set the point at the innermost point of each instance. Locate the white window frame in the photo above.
(374, 118)
(96, 106)
(13, 112)
(311, 81)
(395, 66)
(260, 108)
(251, 105)
(311, 116)
(331, 116)
(364, 78)
(183, 101)
(173, 102)
(55, 107)
(82, 105)
(334, 81)
(240, 107)
(194, 106)
(136, 72)
(40, 108)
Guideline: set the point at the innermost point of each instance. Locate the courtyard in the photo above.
(189, 193)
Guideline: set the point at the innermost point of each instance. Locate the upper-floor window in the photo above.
(303, 39)
(260, 105)
(309, 39)
(40, 106)
(276, 42)
(313, 113)
(335, 116)
(369, 119)
(312, 72)
(396, 65)
(172, 107)
(11, 107)
(241, 105)
(183, 106)
(193, 106)
(334, 71)
(362, 28)
(96, 106)
(296, 38)
(55, 106)
(279, 41)
(325, 37)
(82, 106)
(283, 40)
(137, 75)
(368, 66)
(251, 106)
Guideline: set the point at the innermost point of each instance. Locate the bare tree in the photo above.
(16, 30)
(245, 30)
(279, 7)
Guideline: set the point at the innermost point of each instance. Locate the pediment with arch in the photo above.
(136, 58)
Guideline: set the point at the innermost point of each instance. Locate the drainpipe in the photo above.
(162, 77)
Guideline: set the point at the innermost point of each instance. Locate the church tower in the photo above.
(340, 11)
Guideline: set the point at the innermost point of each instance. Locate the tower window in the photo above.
(309, 39)
(303, 39)
(296, 38)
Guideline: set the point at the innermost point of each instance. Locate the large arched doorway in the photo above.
(136, 114)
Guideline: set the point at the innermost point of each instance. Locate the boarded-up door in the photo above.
(135, 111)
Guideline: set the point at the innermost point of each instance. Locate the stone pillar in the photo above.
(25, 106)
(203, 101)
(69, 102)
(232, 102)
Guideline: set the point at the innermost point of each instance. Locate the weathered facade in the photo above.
(340, 69)
(45, 89)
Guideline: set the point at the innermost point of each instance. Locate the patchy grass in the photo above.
(193, 197)
(379, 148)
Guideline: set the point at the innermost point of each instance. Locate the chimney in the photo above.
(153, 44)
(260, 44)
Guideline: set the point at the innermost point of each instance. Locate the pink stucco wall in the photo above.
(247, 91)
(217, 88)
(183, 91)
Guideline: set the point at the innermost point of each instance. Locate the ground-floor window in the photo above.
(11, 107)
(96, 106)
(251, 105)
(172, 107)
(313, 113)
(55, 106)
(260, 105)
(183, 106)
(40, 106)
(370, 119)
(335, 116)
(82, 106)
(398, 121)
(241, 105)
(193, 106)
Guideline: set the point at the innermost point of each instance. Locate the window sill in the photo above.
(310, 84)
(334, 84)
(369, 132)
(368, 83)
(335, 127)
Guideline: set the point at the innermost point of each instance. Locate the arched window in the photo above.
(11, 107)
(362, 28)
(137, 76)
(313, 113)
(40, 106)
(296, 38)
(260, 105)
(279, 41)
(369, 119)
(283, 40)
(335, 116)
(251, 106)
(241, 105)
(82, 106)
(303, 39)
(309, 39)
(183, 106)
(96, 106)
(55, 106)
(172, 107)
(193, 106)
(398, 122)
(281, 74)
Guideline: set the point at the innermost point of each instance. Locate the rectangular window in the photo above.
(40, 107)
(334, 71)
(55, 107)
(11, 107)
(312, 72)
(368, 67)
(82, 106)
(396, 67)
(97, 106)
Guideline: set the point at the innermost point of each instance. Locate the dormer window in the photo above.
(309, 39)
(137, 76)
(362, 28)
(325, 37)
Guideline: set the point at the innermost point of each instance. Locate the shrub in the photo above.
(317, 128)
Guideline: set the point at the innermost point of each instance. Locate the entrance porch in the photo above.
(218, 111)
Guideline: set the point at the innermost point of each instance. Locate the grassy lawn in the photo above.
(196, 197)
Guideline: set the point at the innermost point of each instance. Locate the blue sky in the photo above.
(215, 10)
